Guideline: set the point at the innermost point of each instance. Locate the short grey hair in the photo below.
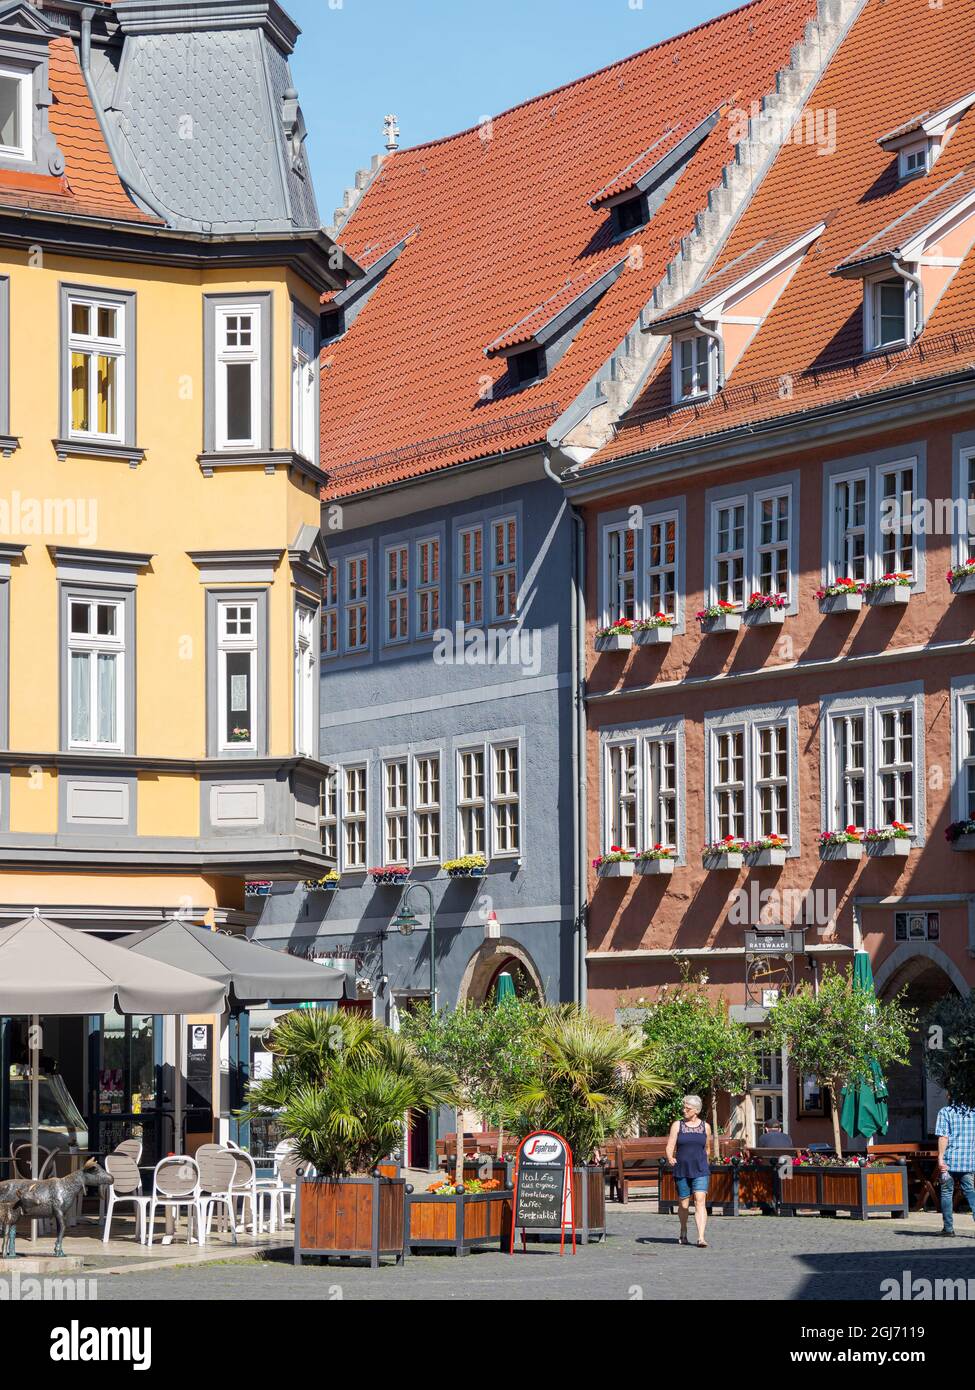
(695, 1101)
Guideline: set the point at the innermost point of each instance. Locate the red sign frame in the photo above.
(568, 1207)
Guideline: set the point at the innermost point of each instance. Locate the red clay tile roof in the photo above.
(90, 186)
(808, 353)
(916, 122)
(896, 235)
(504, 218)
(626, 178)
(543, 314)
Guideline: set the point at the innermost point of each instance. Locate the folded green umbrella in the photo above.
(864, 1109)
(504, 989)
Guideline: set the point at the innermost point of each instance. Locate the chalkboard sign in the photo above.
(199, 1078)
(543, 1186)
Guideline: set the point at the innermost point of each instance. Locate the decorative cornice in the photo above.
(268, 459)
(93, 448)
(236, 566)
(9, 443)
(186, 16)
(84, 562)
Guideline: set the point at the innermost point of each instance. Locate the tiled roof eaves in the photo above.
(888, 241)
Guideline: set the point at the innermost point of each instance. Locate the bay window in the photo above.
(304, 387)
(306, 681)
(237, 647)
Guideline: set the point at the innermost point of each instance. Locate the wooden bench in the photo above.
(480, 1142)
(638, 1165)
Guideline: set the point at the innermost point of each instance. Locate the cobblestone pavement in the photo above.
(749, 1257)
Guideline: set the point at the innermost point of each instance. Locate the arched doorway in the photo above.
(495, 958)
(925, 975)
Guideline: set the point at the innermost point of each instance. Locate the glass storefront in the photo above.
(125, 1093)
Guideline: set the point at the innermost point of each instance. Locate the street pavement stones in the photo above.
(748, 1257)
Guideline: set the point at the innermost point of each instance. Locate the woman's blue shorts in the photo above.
(685, 1186)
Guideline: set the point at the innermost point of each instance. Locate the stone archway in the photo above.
(487, 961)
(926, 974)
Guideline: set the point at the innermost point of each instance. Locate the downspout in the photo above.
(134, 189)
(715, 337)
(577, 611)
(912, 279)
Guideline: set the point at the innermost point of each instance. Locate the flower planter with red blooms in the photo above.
(658, 860)
(889, 589)
(841, 844)
(962, 578)
(720, 617)
(728, 853)
(893, 840)
(961, 836)
(841, 596)
(769, 852)
(617, 864)
(652, 632)
(389, 875)
(618, 637)
(766, 608)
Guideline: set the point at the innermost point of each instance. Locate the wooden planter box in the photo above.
(350, 1217)
(841, 603)
(727, 622)
(589, 1202)
(732, 1189)
(614, 642)
(964, 584)
(653, 636)
(655, 866)
(889, 849)
(863, 1192)
(458, 1223)
(616, 868)
(846, 850)
(765, 617)
(889, 594)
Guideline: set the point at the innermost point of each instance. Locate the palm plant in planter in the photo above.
(340, 1087)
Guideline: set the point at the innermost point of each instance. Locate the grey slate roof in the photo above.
(201, 102)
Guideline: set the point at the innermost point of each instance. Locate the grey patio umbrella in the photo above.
(248, 972)
(46, 968)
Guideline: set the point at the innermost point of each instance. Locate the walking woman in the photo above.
(688, 1145)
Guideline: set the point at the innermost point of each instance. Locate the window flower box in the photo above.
(618, 637)
(889, 589)
(724, 854)
(468, 866)
(327, 884)
(617, 864)
(658, 860)
(893, 840)
(842, 596)
(841, 844)
(962, 578)
(961, 835)
(769, 852)
(655, 631)
(764, 609)
(720, 617)
(388, 875)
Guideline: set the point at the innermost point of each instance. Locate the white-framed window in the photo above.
(354, 816)
(773, 527)
(16, 126)
(396, 849)
(849, 782)
(96, 353)
(504, 568)
(356, 602)
(641, 791)
(397, 594)
(660, 538)
(470, 575)
(914, 160)
(895, 766)
(963, 719)
(872, 760)
(304, 388)
(427, 808)
(751, 774)
(623, 781)
(238, 376)
(660, 820)
(966, 532)
(306, 680)
(870, 524)
(472, 802)
(330, 613)
(96, 673)
(427, 586)
(621, 572)
(237, 648)
(692, 367)
(728, 562)
(506, 798)
(889, 312)
(328, 816)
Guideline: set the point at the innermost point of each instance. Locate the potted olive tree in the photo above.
(341, 1085)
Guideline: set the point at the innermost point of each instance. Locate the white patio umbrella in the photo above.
(46, 968)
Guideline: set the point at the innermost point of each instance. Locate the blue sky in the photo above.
(440, 65)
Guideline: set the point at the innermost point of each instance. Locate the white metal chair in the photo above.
(175, 1184)
(218, 1168)
(126, 1187)
(245, 1190)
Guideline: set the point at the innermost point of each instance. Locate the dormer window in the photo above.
(914, 161)
(692, 367)
(15, 114)
(629, 216)
(526, 367)
(887, 313)
(919, 141)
